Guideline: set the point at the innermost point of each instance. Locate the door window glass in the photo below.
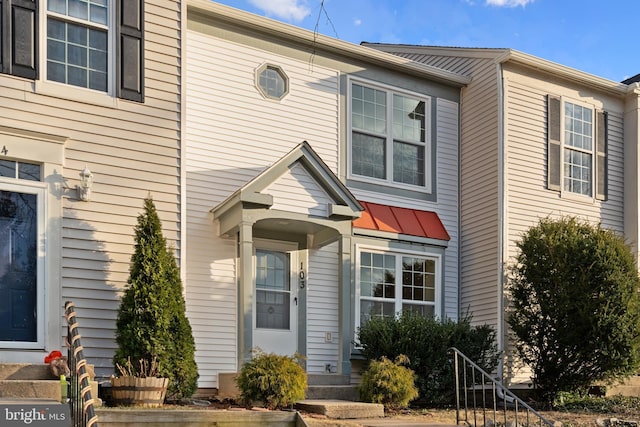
(273, 290)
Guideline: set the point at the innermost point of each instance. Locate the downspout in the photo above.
(502, 232)
(503, 229)
(183, 152)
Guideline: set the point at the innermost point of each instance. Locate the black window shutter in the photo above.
(130, 49)
(553, 143)
(19, 35)
(601, 155)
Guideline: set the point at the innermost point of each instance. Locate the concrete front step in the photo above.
(31, 389)
(25, 371)
(341, 409)
(332, 392)
(630, 387)
(328, 379)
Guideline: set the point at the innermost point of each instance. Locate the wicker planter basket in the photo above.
(134, 391)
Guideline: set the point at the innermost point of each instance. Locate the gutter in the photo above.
(289, 33)
(571, 74)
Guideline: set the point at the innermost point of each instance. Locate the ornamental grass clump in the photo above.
(389, 383)
(276, 381)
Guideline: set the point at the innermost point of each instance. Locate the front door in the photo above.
(275, 311)
(18, 267)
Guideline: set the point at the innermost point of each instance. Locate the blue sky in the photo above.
(597, 37)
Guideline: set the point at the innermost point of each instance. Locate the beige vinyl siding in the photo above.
(322, 309)
(297, 191)
(526, 196)
(133, 151)
(232, 134)
(528, 200)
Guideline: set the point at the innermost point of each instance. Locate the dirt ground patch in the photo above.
(448, 416)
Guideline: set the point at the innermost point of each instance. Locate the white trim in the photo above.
(389, 139)
(578, 197)
(359, 248)
(317, 42)
(67, 91)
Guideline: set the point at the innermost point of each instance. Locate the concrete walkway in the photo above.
(341, 413)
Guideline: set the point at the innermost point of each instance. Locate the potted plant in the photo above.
(153, 334)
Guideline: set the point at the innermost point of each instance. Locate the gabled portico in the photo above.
(294, 205)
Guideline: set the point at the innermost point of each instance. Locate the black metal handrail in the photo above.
(80, 399)
(478, 394)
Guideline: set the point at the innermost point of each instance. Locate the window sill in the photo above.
(580, 198)
(391, 185)
(73, 93)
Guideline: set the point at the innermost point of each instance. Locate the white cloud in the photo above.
(290, 10)
(508, 3)
(357, 22)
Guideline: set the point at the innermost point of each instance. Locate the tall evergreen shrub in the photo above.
(575, 308)
(152, 322)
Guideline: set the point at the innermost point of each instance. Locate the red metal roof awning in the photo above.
(412, 222)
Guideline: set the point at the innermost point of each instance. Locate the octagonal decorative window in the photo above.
(272, 81)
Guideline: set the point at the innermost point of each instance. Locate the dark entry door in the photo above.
(18, 266)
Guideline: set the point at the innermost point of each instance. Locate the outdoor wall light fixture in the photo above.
(86, 181)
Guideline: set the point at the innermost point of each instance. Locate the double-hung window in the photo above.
(78, 43)
(576, 149)
(91, 44)
(389, 137)
(392, 283)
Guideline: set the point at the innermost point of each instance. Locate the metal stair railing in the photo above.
(481, 398)
(82, 412)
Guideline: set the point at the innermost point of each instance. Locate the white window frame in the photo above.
(40, 190)
(398, 292)
(566, 193)
(389, 139)
(69, 91)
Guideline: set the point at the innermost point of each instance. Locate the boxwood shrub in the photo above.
(273, 380)
(426, 341)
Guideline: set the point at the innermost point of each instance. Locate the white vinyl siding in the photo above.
(323, 315)
(233, 133)
(479, 231)
(132, 150)
(446, 129)
(447, 137)
(297, 191)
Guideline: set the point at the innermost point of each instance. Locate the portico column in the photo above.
(346, 301)
(245, 292)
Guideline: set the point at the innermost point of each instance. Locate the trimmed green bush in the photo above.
(575, 308)
(276, 381)
(426, 341)
(152, 323)
(388, 383)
